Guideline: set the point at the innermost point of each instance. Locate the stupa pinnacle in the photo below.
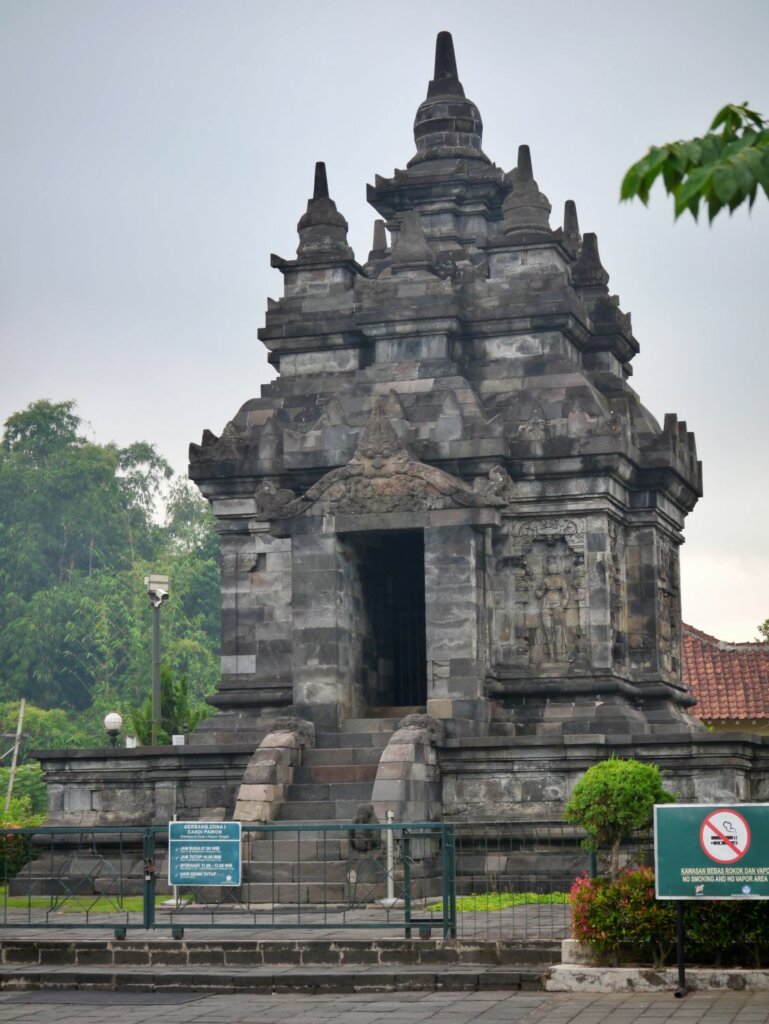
(447, 124)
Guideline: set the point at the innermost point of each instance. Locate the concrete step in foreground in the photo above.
(302, 965)
(271, 980)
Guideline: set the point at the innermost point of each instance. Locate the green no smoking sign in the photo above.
(711, 851)
(725, 836)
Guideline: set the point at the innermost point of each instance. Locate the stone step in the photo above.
(304, 810)
(316, 892)
(334, 847)
(351, 739)
(296, 871)
(322, 791)
(390, 711)
(198, 976)
(333, 773)
(341, 756)
(369, 725)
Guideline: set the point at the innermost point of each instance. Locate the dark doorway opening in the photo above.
(393, 579)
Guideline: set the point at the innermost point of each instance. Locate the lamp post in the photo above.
(113, 723)
(157, 591)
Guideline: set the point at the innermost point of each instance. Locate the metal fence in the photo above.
(513, 877)
(477, 881)
(350, 877)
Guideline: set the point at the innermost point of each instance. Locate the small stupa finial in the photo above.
(524, 171)
(526, 210)
(322, 229)
(320, 190)
(380, 237)
(570, 220)
(571, 236)
(445, 61)
(411, 250)
(588, 271)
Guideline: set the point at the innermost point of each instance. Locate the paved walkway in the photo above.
(56, 1007)
(534, 922)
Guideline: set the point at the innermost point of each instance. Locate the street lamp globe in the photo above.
(113, 723)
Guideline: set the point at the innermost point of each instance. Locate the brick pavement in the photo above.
(493, 1007)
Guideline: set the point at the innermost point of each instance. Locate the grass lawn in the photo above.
(76, 904)
(488, 901)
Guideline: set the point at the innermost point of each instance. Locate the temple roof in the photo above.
(730, 681)
(494, 332)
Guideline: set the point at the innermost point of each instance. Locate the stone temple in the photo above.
(451, 497)
(450, 529)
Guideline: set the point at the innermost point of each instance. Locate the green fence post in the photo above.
(407, 882)
(452, 880)
(149, 879)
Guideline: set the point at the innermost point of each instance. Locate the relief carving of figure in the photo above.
(553, 594)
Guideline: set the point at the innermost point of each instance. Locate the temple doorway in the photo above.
(393, 593)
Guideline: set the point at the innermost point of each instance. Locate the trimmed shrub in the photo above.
(621, 919)
(612, 800)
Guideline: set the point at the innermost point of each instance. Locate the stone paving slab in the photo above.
(484, 1007)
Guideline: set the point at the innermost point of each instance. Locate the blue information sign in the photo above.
(204, 852)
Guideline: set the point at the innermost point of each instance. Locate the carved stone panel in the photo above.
(383, 476)
(541, 596)
(668, 607)
(618, 593)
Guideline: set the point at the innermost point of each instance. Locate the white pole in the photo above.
(390, 860)
(176, 887)
(17, 743)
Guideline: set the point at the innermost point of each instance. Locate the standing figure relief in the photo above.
(553, 594)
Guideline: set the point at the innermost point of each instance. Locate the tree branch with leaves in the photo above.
(722, 169)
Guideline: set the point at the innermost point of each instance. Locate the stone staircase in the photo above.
(311, 867)
(337, 775)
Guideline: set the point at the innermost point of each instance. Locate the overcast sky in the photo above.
(155, 152)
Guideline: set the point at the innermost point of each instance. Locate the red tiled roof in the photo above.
(730, 681)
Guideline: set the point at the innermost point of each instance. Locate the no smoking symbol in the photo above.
(725, 836)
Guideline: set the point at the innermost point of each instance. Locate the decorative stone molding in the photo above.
(383, 476)
(407, 779)
(270, 771)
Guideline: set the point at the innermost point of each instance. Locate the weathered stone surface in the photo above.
(450, 499)
(270, 771)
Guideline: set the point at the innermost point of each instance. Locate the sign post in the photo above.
(204, 853)
(709, 852)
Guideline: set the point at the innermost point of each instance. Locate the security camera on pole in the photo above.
(157, 591)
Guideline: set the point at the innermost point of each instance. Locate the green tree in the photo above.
(763, 629)
(723, 168)
(50, 728)
(71, 507)
(81, 524)
(179, 711)
(29, 791)
(612, 800)
(74, 516)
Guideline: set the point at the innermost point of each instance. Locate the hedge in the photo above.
(623, 921)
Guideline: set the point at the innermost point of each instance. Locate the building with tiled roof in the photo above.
(730, 681)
